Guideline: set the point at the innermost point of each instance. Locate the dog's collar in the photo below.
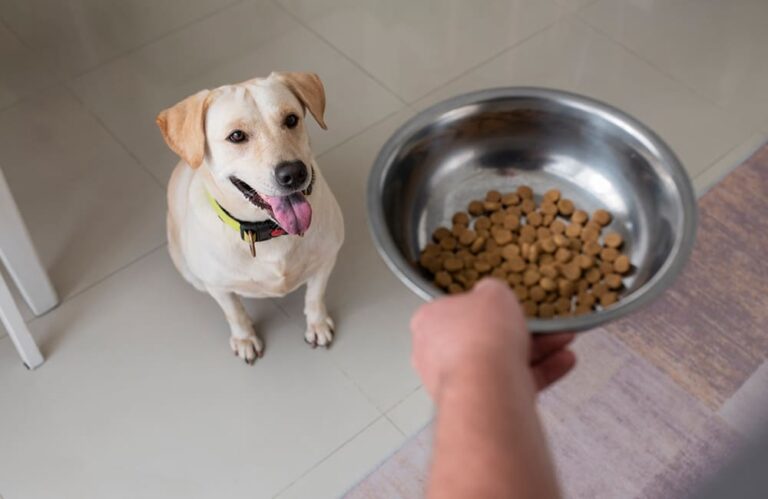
(253, 232)
(250, 232)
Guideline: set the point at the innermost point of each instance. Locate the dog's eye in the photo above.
(237, 136)
(291, 121)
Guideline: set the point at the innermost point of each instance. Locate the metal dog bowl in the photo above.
(498, 139)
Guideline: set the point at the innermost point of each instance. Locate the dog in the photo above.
(249, 212)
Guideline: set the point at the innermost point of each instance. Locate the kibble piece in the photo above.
(482, 266)
(579, 217)
(552, 195)
(532, 255)
(431, 249)
(525, 192)
(477, 244)
(563, 255)
(460, 218)
(582, 285)
(467, 237)
(475, 208)
(547, 283)
(499, 273)
(565, 207)
(602, 217)
(511, 222)
(530, 308)
(608, 298)
(586, 298)
(521, 292)
(562, 305)
(514, 210)
(516, 264)
(592, 276)
(560, 240)
(582, 310)
(527, 234)
(575, 245)
(449, 243)
(528, 206)
(491, 206)
(606, 268)
(510, 199)
(613, 281)
(494, 196)
(571, 271)
(497, 218)
(590, 234)
(609, 254)
(546, 258)
(453, 264)
(599, 290)
(592, 248)
(613, 240)
(534, 218)
(573, 230)
(549, 271)
(548, 245)
(457, 230)
(585, 261)
(443, 279)
(494, 258)
(621, 265)
(531, 277)
(557, 227)
(537, 294)
(565, 288)
(502, 236)
(510, 251)
(546, 310)
(543, 233)
(482, 223)
(455, 288)
(440, 234)
(548, 208)
(514, 278)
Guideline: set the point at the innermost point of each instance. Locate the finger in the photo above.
(545, 344)
(553, 368)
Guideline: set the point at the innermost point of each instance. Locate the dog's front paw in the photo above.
(320, 333)
(248, 348)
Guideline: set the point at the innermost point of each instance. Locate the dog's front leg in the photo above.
(243, 341)
(319, 323)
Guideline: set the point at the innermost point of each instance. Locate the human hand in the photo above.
(483, 328)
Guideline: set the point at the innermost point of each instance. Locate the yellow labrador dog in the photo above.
(249, 213)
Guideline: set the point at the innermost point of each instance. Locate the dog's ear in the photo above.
(308, 88)
(183, 127)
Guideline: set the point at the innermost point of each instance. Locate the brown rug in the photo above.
(641, 414)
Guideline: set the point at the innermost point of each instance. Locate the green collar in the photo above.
(250, 232)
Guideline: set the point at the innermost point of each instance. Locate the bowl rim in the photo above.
(642, 296)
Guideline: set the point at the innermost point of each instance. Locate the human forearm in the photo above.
(488, 441)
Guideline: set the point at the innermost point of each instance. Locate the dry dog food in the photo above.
(555, 257)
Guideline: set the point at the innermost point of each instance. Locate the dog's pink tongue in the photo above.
(293, 213)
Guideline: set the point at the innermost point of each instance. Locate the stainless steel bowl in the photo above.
(498, 139)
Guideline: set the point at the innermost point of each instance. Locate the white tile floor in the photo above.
(140, 396)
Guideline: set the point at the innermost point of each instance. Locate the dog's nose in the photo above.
(291, 174)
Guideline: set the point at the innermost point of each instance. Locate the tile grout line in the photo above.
(336, 49)
(328, 456)
(112, 135)
(102, 279)
(751, 149)
(489, 59)
(585, 22)
(158, 38)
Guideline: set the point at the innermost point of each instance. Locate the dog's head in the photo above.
(252, 138)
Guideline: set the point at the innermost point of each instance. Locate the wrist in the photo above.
(484, 374)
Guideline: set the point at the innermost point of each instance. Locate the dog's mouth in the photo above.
(291, 212)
